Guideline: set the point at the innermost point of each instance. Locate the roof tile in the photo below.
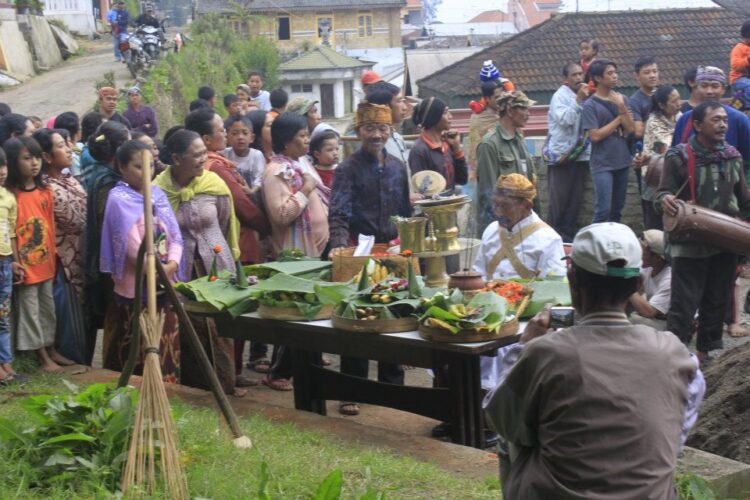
(534, 58)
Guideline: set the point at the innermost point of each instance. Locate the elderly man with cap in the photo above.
(108, 106)
(651, 303)
(369, 188)
(710, 84)
(602, 408)
(518, 244)
(307, 108)
(142, 118)
(503, 151)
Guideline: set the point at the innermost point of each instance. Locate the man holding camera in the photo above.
(600, 409)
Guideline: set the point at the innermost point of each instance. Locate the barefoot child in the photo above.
(10, 271)
(35, 243)
(324, 149)
(122, 233)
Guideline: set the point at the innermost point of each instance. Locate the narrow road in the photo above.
(67, 87)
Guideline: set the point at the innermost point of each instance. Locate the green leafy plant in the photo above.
(67, 438)
(690, 486)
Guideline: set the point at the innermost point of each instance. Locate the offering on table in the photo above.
(347, 266)
(216, 294)
(309, 269)
(292, 298)
(453, 318)
(387, 306)
(514, 292)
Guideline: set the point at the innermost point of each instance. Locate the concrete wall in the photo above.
(336, 77)
(46, 51)
(386, 29)
(15, 52)
(78, 15)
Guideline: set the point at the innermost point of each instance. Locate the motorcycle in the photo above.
(134, 55)
(151, 38)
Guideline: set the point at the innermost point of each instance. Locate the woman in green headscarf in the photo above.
(203, 206)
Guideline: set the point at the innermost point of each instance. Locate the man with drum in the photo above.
(708, 172)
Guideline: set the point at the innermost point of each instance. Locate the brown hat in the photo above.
(516, 186)
(107, 92)
(374, 114)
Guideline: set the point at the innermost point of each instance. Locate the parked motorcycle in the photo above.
(134, 55)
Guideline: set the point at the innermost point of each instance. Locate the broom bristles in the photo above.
(153, 427)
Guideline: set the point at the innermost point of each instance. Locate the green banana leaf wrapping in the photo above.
(547, 292)
(404, 303)
(484, 310)
(309, 269)
(283, 290)
(222, 294)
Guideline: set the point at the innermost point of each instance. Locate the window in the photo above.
(285, 32)
(365, 25)
(302, 88)
(325, 25)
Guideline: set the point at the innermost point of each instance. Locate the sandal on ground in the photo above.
(239, 393)
(245, 381)
(735, 330)
(260, 365)
(278, 384)
(349, 409)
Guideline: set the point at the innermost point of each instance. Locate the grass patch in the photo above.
(295, 461)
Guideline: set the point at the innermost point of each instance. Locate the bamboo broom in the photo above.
(153, 436)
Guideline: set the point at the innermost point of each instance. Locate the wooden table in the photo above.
(460, 403)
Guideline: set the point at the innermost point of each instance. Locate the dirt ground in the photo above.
(68, 87)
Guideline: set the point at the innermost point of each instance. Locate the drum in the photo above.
(696, 224)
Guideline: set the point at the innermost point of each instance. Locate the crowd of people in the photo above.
(272, 176)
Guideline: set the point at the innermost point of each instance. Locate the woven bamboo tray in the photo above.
(346, 266)
(482, 335)
(292, 313)
(395, 325)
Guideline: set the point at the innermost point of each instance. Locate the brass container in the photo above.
(411, 232)
(444, 221)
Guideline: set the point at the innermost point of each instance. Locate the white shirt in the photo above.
(564, 119)
(541, 250)
(658, 288)
(250, 166)
(264, 100)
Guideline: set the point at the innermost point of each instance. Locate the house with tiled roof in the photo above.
(490, 16)
(677, 38)
(295, 23)
(326, 76)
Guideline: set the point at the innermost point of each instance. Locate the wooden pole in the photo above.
(148, 219)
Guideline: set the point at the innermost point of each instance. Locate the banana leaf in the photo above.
(222, 294)
(317, 294)
(488, 311)
(309, 269)
(547, 292)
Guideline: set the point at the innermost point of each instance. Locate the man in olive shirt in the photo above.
(702, 274)
(502, 152)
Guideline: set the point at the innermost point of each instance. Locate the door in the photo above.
(326, 100)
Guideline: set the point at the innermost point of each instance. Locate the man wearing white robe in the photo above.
(517, 245)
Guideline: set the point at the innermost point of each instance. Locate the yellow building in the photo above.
(295, 23)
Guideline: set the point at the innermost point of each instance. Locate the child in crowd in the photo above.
(588, 49)
(279, 99)
(250, 162)
(233, 104)
(10, 272)
(35, 241)
(122, 233)
(739, 60)
(324, 149)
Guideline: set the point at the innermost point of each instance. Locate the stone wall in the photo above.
(46, 51)
(16, 52)
(632, 214)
